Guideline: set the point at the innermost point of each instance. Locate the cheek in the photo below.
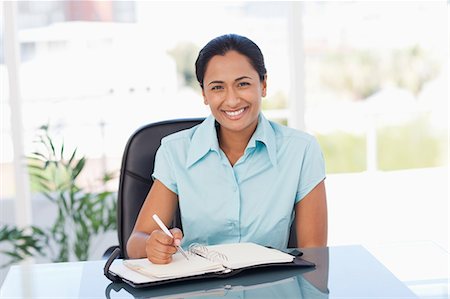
(254, 95)
(211, 99)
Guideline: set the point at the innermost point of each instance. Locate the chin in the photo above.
(236, 127)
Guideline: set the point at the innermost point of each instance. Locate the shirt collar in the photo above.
(205, 140)
(265, 135)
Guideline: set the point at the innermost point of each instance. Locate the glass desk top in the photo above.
(340, 272)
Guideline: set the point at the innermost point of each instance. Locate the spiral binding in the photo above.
(202, 250)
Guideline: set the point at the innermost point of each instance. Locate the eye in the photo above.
(217, 87)
(242, 84)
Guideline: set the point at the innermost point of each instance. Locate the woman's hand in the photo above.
(147, 240)
(160, 247)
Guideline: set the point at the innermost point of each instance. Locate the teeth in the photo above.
(234, 113)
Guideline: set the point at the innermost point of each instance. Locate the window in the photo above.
(375, 84)
(96, 71)
(376, 90)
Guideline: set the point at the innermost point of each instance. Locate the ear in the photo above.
(264, 86)
(205, 101)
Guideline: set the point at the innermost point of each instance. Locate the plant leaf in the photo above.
(52, 147)
(73, 156)
(78, 167)
(62, 151)
(37, 155)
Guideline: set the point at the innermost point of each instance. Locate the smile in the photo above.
(235, 113)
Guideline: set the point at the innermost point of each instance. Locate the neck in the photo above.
(234, 143)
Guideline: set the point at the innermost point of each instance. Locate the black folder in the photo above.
(297, 262)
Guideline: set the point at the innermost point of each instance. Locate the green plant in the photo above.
(185, 55)
(357, 74)
(343, 152)
(23, 243)
(81, 214)
(412, 145)
(277, 101)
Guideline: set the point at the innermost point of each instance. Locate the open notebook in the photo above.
(204, 261)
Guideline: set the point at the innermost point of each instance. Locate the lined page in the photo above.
(249, 254)
(179, 267)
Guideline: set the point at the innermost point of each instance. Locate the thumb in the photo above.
(177, 235)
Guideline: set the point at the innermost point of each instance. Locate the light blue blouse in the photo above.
(252, 201)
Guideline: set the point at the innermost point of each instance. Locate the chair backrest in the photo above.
(135, 176)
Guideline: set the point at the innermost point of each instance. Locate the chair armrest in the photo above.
(108, 252)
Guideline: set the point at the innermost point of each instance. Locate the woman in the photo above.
(237, 176)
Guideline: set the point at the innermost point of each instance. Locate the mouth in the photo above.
(235, 114)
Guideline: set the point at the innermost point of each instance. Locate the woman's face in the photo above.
(233, 91)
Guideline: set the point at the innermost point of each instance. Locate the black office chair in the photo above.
(135, 177)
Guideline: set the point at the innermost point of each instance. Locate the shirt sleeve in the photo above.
(312, 171)
(163, 170)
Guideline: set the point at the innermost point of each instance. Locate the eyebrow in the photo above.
(238, 79)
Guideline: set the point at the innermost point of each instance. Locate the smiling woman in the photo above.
(237, 177)
(233, 92)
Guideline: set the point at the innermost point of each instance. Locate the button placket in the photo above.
(236, 202)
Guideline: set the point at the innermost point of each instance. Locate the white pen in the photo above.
(167, 232)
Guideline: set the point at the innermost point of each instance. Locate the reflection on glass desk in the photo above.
(421, 265)
(257, 284)
(340, 272)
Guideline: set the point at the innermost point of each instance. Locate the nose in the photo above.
(232, 98)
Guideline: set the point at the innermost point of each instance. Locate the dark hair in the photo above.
(225, 43)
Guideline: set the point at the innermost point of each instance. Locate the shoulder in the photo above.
(286, 135)
(180, 138)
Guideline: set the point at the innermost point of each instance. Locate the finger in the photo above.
(177, 233)
(157, 252)
(165, 249)
(160, 253)
(162, 238)
(159, 260)
(154, 244)
(162, 243)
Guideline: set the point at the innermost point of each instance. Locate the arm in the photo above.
(311, 221)
(147, 240)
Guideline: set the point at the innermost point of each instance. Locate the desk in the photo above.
(341, 272)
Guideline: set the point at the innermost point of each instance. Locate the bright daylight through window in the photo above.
(373, 84)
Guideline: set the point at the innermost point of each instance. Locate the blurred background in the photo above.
(368, 79)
